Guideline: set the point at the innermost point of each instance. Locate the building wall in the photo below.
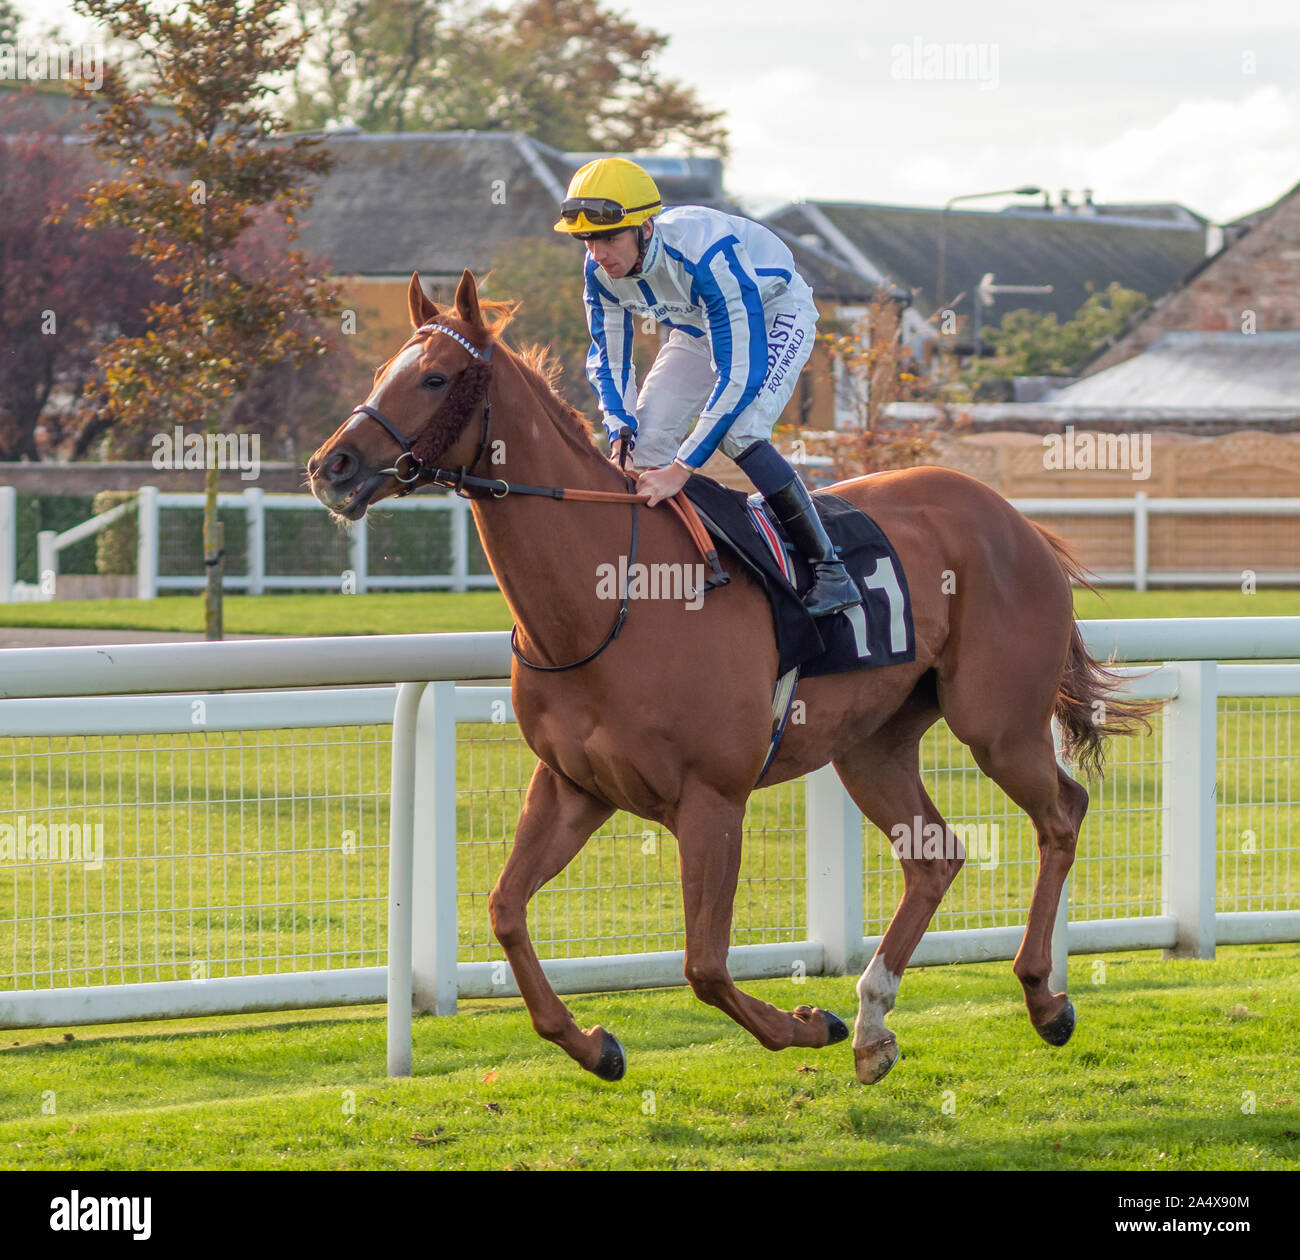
(1259, 274)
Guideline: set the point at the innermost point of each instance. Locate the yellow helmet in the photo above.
(608, 195)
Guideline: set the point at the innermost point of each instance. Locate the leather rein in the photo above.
(462, 481)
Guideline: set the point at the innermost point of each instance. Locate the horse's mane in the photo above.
(538, 366)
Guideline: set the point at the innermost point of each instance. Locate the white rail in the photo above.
(358, 579)
(36, 682)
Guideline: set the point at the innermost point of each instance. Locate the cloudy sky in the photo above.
(1196, 101)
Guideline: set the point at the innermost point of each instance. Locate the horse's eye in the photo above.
(435, 381)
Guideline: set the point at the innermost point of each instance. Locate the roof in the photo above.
(434, 202)
(1018, 246)
(439, 202)
(1198, 369)
(1216, 292)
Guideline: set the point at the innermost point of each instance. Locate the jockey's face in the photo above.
(615, 255)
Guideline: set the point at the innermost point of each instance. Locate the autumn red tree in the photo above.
(64, 292)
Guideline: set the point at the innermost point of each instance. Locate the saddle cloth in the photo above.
(879, 632)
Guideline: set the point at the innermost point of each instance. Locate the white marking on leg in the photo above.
(877, 990)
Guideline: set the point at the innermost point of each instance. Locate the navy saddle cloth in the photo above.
(877, 633)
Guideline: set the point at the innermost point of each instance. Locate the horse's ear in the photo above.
(422, 309)
(467, 300)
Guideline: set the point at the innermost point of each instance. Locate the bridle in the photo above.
(456, 481)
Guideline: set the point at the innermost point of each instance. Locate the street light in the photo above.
(1027, 190)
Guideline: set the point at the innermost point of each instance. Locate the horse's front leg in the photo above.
(557, 820)
(709, 832)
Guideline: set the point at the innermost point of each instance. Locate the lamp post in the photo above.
(1026, 190)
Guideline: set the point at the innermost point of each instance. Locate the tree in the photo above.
(545, 278)
(1030, 344)
(8, 22)
(192, 190)
(64, 293)
(566, 72)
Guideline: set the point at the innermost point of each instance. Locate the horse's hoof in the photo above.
(836, 1029)
(872, 1063)
(1057, 1030)
(612, 1062)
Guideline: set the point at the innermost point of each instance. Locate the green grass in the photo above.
(430, 612)
(1162, 1073)
(1227, 602)
(423, 612)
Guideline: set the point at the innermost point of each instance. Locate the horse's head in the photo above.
(423, 412)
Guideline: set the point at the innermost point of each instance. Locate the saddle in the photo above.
(877, 632)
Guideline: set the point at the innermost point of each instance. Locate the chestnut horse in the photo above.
(670, 718)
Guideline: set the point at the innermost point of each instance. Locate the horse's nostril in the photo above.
(341, 466)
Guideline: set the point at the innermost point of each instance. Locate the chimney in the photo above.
(1213, 239)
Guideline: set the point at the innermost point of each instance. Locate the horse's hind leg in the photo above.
(1025, 767)
(557, 820)
(708, 829)
(883, 778)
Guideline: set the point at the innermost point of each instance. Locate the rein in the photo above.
(461, 481)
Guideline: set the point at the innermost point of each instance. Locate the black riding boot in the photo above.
(832, 589)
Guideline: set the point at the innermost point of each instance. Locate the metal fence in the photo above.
(244, 859)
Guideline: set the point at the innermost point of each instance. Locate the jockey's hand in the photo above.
(662, 483)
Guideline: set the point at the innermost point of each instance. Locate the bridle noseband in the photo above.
(439, 476)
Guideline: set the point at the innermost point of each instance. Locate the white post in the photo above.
(255, 515)
(459, 543)
(1141, 540)
(1188, 850)
(357, 555)
(833, 859)
(47, 562)
(434, 940)
(146, 550)
(400, 843)
(1058, 980)
(8, 542)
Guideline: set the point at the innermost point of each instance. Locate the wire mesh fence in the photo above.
(134, 858)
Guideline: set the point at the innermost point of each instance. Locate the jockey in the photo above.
(741, 326)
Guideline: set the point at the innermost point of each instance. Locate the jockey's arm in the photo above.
(609, 361)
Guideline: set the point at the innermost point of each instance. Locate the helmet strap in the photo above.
(642, 244)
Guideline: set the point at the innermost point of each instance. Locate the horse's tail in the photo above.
(1086, 705)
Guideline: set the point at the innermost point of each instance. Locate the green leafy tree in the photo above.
(193, 190)
(1031, 344)
(8, 22)
(567, 72)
